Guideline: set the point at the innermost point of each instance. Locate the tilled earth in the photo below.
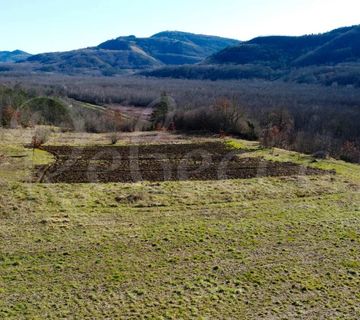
(165, 162)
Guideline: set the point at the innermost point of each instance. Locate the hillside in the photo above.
(172, 47)
(340, 45)
(129, 53)
(13, 56)
(329, 58)
(342, 48)
(93, 61)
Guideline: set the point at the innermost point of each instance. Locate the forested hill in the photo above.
(338, 46)
(132, 53)
(331, 58)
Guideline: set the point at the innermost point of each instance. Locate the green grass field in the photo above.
(262, 248)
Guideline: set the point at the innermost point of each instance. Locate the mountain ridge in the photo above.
(125, 53)
(328, 58)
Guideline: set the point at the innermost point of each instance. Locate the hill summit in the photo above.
(13, 56)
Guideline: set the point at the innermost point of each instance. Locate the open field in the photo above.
(283, 247)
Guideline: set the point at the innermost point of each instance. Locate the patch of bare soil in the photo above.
(138, 113)
(164, 162)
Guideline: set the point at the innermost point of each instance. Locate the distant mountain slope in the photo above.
(13, 56)
(173, 47)
(93, 60)
(131, 53)
(340, 45)
(344, 47)
(332, 58)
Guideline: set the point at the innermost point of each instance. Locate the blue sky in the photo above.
(56, 25)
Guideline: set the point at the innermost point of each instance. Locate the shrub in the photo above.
(350, 152)
(114, 138)
(279, 129)
(10, 117)
(40, 137)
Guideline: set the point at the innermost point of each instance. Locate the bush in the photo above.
(114, 138)
(350, 152)
(225, 116)
(40, 137)
(279, 129)
(10, 117)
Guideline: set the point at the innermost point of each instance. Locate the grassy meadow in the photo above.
(261, 248)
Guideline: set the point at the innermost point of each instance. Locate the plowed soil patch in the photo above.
(165, 162)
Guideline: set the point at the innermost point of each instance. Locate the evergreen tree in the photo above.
(160, 112)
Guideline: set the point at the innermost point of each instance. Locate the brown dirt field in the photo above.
(138, 113)
(165, 162)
